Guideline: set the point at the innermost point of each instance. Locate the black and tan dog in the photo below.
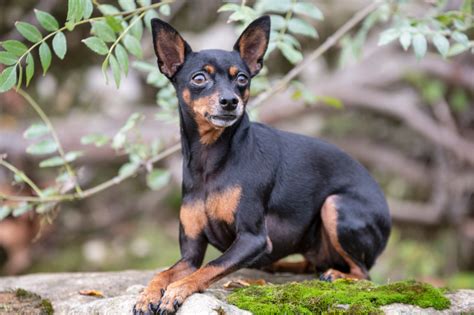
(257, 194)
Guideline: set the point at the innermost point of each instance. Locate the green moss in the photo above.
(47, 307)
(23, 294)
(35, 301)
(338, 297)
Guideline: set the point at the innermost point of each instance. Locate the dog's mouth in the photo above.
(224, 120)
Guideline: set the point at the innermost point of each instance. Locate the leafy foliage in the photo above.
(115, 36)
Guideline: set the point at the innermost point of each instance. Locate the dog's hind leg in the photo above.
(355, 232)
(298, 267)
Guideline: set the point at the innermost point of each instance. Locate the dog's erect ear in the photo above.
(253, 43)
(170, 48)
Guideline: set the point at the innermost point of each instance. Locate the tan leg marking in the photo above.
(329, 218)
(152, 293)
(193, 218)
(297, 267)
(196, 282)
(222, 205)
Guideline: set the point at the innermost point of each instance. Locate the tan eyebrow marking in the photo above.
(233, 70)
(210, 69)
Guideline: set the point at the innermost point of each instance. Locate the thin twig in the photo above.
(22, 175)
(328, 43)
(96, 189)
(54, 134)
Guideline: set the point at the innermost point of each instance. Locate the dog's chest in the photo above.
(213, 214)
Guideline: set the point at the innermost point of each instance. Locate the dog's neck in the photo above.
(207, 158)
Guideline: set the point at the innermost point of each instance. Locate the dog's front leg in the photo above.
(247, 248)
(192, 252)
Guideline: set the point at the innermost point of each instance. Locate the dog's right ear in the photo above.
(170, 48)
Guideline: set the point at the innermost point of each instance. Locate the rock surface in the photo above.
(120, 291)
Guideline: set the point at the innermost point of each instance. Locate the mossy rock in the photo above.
(338, 297)
(24, 302)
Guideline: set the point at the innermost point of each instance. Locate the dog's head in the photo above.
(213, 84)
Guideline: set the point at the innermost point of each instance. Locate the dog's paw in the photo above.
(175, 295)
(331, 275)
(148, 301)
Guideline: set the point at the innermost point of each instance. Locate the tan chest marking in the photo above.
(222, 205)
(193, 218)
(219, 206)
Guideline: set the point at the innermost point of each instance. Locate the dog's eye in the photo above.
(242, 79)
(199, 79)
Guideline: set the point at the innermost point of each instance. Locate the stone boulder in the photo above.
(120, 291)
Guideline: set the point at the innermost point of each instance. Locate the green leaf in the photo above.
(7, 58)
(71, 10)
(457, 49)
(308, 9)
(460, 38)
(15, 47)
(4, 212)
(47, 21)
(122, 58)
(405, 40)
(133, 46)
(107, 9)
(105, 68)
(60, 45)
(128, 169)
(144, 3)
(229, 7)
(88, 9)
(59, 161)
(132, 121)
(21, 209)
(277, 22)
(20, 77)
(151, 14)
(331, 101)
(45, 56)
(114, 23)
(79, 10)
(165, 9)
(157, 79)
(28, 31)
(115, 70)
(119, 140)
(103, 30)
(290, 53)
(36, 130)
(419, 45)
(442, 44)
(96, 139)
(299, 26)
(30, 68)
(144, 66)
(8, 79)
(280, 6)
(97, 45)
(137, 27)
(388, 36)
(158, 178)
(127, 5)
(43, 147)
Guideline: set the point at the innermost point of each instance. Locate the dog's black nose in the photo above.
(228, 103)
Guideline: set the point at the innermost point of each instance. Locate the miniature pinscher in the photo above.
(256, 193)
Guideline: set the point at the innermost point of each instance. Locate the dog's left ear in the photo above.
(253, 42)
(170, 48)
